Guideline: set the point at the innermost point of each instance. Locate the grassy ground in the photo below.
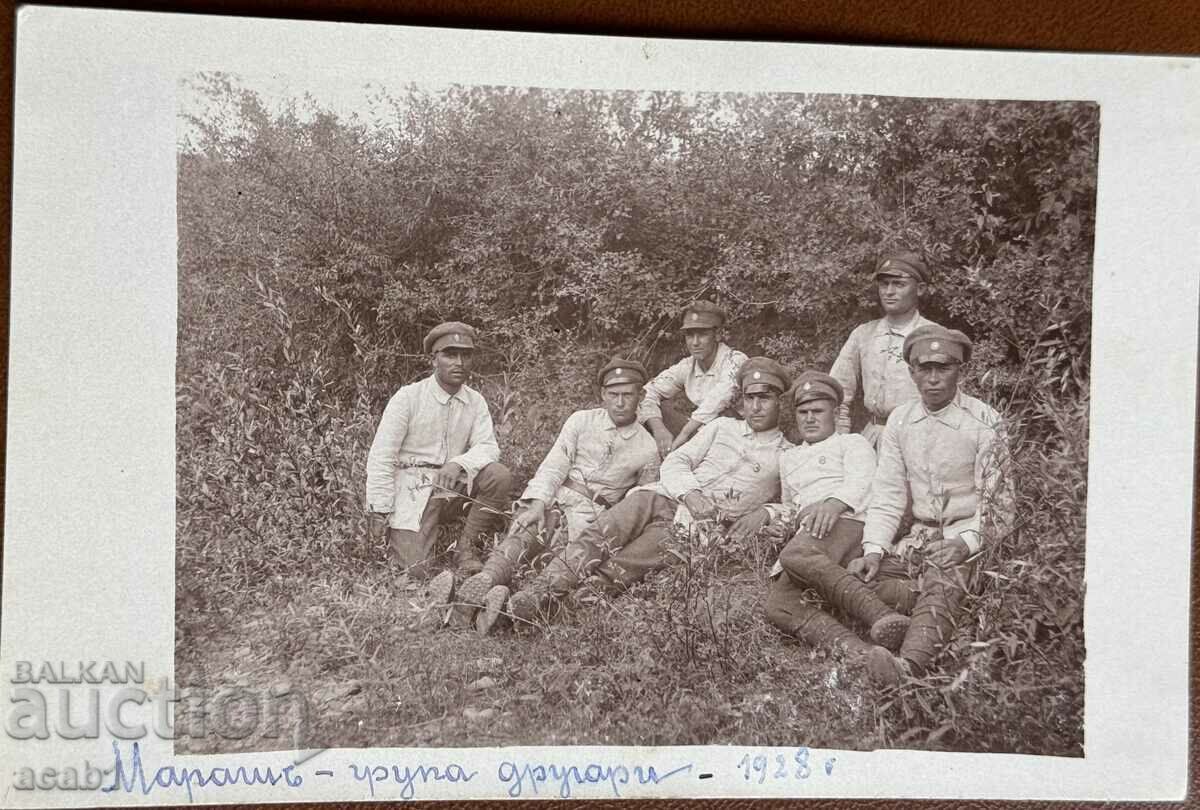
(377, 670)
(685, 658)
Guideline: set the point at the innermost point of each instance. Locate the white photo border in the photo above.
(92, 362)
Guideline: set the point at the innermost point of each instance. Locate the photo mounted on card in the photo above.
(462, 414)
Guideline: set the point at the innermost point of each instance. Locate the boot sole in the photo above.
(883, 667)
(469, 600)
(889, 632)
(493, 609)
(441, 588)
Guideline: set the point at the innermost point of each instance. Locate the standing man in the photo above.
(599, 455)
(435, 444)
(872, 356)
(826, 484)
(721, 476)
(945, 454)
(705, 380)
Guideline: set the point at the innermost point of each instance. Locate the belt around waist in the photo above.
(425, 465)
(579, 488)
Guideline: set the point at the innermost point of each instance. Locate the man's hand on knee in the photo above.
(865, 567)
(447, 478)
(818, 518)
(531, 519)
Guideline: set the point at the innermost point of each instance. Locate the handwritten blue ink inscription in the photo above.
(408, 777)
(798, 767)
(525, 778)
(169, 776)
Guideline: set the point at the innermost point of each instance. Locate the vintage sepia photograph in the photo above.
(515, 415)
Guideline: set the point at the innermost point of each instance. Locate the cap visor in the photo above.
(450, 343)
(936, 357)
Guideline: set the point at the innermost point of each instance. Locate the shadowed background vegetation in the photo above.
(315, 250)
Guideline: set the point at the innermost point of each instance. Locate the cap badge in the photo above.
(695, 316)
(457, 338)
(886, 264)
(619, 372)
(808, 386)
(935, 345)
(758, 375)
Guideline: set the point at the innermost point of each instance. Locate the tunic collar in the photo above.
(626, 432)
(718, 361)
(951, 415)
(884, 327)
(442, 395)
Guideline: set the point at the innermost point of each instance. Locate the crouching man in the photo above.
(599, 455)
(723, 475)
(435, 444)
(945, 454)
(826, 484)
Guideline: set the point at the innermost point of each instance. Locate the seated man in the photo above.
(722, 475)
(945, 455)
(599, 454)
(872, 355)
(705, 380)
(825, 483)
(434, 444)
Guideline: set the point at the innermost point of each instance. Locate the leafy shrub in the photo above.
(316, 251)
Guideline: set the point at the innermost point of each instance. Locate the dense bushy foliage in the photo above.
(316, 250)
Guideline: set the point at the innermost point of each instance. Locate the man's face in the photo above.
(898, 295)
(816, 420)
(937, 382)
(761, 409)
(621, 402)
(701, 343)
(452, 366)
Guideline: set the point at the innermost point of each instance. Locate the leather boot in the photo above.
(529, 605)
(851, 595)
(466, 558)
(933, 619)
(494, 603)
(470, 598)
(438, 593)
(818, 628)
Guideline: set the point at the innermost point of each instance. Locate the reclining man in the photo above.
(945, 455)
(705, 380)
(728, 470)
(826, 483)
(872, 354)
(599, 454)
(435, 443)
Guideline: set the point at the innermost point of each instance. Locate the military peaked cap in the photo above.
(621, 370)
(758, 372)
(936, 344)
(902, 263)
(451, 334)
(703, 315)
(812, 385)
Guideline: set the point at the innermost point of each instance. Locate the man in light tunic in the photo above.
(826, 484)
(944, 454)
(599, 455)
(705, 380)
(435, 443)
(728, 470)
(872, 358)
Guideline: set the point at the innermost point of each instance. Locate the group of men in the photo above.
(884, 525)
